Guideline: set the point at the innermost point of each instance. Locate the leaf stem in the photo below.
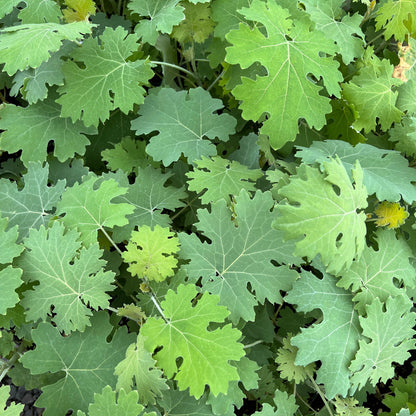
(322, 395)
(111, 241)
(179, 68)
(156, 303)
(216, 80)
(253, 344)
(11, 362)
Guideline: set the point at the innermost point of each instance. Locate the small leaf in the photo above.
(391, 214)
(78, 10)
(150, 253)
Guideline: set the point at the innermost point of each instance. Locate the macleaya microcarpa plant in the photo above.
(208, 207)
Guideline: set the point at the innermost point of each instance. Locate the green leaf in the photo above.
(237, 256)
(6, 7)
(9, 276)
(286, 405)
(184, 334)
(162, 16)
(380, 273)
(13, 409)
(180, 403)
(85, 359)
(32, 82)
(183, 121)
(225, 404)
(385, 173)
(33, 205)
(31, 128)
(40, 11)
(69, 279)
(372, 94)
(343, 28)
(197, 25)
(404, 136)
(323, 208)
(127, 155)
(397, 19)
(149, 197)
(285, 360)
(225, 14)
(137, 371)
(29, 45)
(88, 207)
(348, 407)
(150, 253)
(106, 404)
(107, 81)
(221, 178)
(389, 332)
(291, 53)
(334, 341)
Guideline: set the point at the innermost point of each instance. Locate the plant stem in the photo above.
(253, 344)
(216, 80)
(111, 241)
(11, 362)
(179, 68)
(319, 391)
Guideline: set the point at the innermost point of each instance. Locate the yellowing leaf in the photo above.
(285, 360)
(78, 10)
(149, 253)
(391, 214)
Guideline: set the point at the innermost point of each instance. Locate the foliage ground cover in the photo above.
(208, 207)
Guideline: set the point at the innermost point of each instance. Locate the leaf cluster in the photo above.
(207, 207)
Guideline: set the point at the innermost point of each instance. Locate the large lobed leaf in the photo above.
(108, 80)
(334, 341)
(86, 361)
(290, 52)
(238, 256)
(69, 279)
(323, 209)
(184, 333)
(183, 120)
(29, 45)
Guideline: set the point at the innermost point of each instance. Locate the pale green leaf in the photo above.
(396, 17)
(13, 409)
(107, 404)
(31, 128)
(86, 361)
(6, 7)
(32, 206)
(185, 334)
(344, 29)
(161, 16)
(149, 253)
(221, 178)
(88, 207)
(290, 52)
(326, 209)
(197, 25)
(334, 341)
(388, 332)
(136, 372)
(385, 173)
(238, 256)
(149, 196)
(108, 80)
(286, 405)
(40, 11)
(29, 45)
(373, 96)
(225, 15)
(380, 273)
(183, 121)
(71, 280)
